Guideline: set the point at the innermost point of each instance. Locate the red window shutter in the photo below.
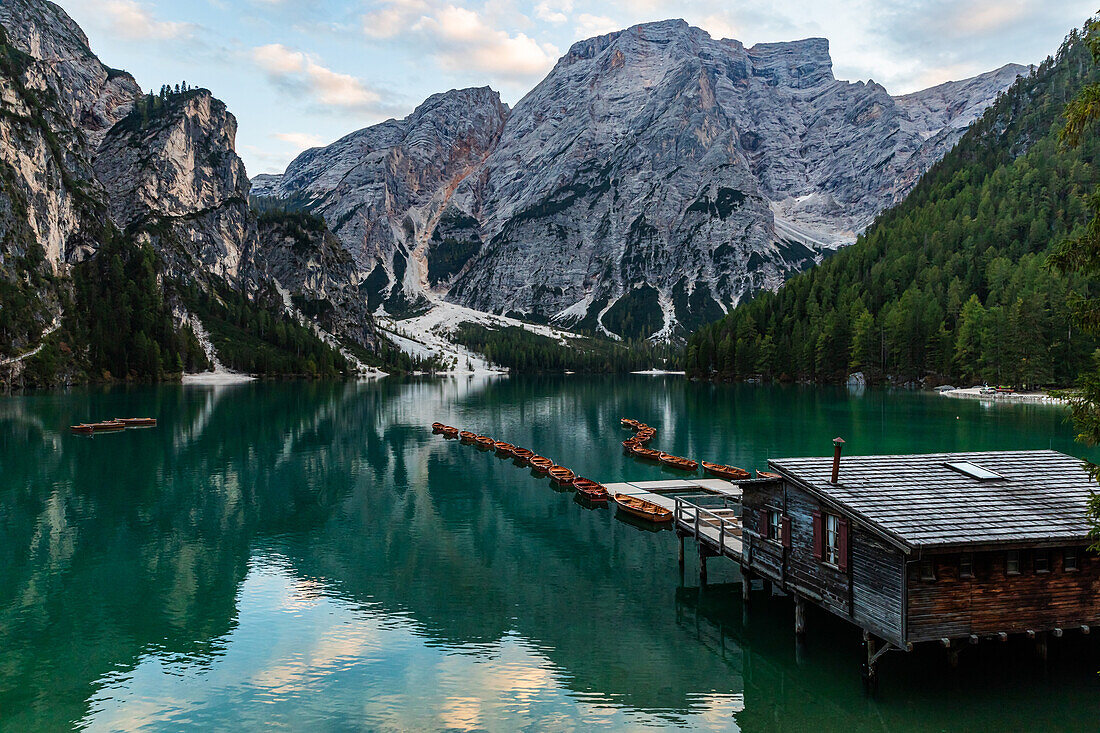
(842, 544)
(762, 523)
(819, 537)
(786, 532)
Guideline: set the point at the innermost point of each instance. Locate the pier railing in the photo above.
(712, 519)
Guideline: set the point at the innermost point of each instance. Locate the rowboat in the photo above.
(523, 454)
(728, 472)
(137, 422)
(562, 475)
(540, 464)
(629, 443)
(504, 449)
(647, 453)
(767, 474)
(590, 489)
(627, 422)
(484, 441)
(643, 509)
(437, 427)
(677, 462)
(467, 437)
(450, 432)
(98, 427)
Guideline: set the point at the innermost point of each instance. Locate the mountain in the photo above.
(951, 284)
(653, 179)
(126, 232)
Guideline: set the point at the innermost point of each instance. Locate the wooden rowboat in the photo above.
(727, 472)
(643, 509)
(626, 422)
(99, 427)
(629, 444)
(137, 422)
(677, 462)
(540, 464)
(82, 428)
(437, 427)
(591, 490)
(522, 454)
(647, 453)
(449, 432)
(484, 441)
(504, 449)
(467, 437)
(767, 474)
(562, 475)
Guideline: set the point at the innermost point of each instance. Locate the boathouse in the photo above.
(950, 548)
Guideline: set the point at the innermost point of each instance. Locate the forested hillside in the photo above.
(951, 284)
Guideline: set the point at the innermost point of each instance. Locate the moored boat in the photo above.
(467, 437)
(627, 422)
(647, 453)
(83, 428)
(449, 431)
(590, 489)
(504, 449)
(485, 442)
(767, 474)
(562, 475)
(643, 509)
(104, 425)
(540, 464)
(437, 427)
(137, 422)
(727, 472)
(628, 444)
(523, 454)
(685, 464)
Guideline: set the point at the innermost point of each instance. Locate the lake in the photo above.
(310, 555)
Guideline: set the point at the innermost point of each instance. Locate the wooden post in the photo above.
(746, 584)
(799, 615)
(680, 556)
(869, 678)
(1041, 647)
(702, 565)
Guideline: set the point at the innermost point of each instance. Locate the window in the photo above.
(775, 525)
(1012, 562)
(927, 570)
(1069, 559)
(832, 539)
(1042, 561)
(966, 565)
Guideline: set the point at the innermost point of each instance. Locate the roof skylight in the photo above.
(973, 470)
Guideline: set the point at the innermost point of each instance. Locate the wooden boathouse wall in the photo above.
(994, 601)
(866, 588)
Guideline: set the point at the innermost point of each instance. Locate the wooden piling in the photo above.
(799, 615)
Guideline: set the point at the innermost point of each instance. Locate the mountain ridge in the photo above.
(654, 169)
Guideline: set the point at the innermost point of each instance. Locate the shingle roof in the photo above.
(917, 499)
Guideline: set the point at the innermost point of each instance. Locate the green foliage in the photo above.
(120, 322)
(637, 314)
(952, 283)
(149, 110)
(523, 351)
(258, 337)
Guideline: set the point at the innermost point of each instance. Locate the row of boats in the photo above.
(638, 445)
(118, 423)
(590, 490)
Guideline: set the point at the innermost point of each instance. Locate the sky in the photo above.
(299, 74)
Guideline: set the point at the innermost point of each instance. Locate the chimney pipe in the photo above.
(838, 444)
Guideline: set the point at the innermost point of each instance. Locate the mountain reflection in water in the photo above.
(310, 554)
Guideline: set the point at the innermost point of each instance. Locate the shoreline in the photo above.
(975, 393)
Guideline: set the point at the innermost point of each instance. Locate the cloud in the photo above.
(300, 73)
(461, 39)
(300, 140)
(132, 20)
(554, 11)
(589, 25)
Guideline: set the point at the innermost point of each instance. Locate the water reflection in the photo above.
(311, 554)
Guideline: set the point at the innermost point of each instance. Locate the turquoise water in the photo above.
(311, 556)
